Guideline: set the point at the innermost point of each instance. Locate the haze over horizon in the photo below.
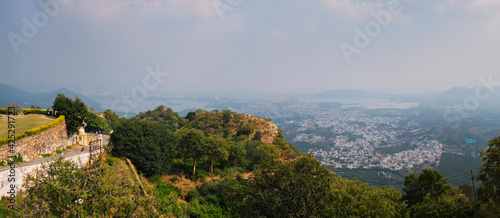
(249, 47)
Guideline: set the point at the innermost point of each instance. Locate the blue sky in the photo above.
(272, 46)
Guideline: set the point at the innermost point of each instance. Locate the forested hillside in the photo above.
(226, 164)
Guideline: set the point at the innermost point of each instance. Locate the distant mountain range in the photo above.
(469, 97)
(43, 99)
(451, 97)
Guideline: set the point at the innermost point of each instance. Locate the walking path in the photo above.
(23, 169)
(66, 154)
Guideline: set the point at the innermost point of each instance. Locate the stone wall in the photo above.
(22, 171)
(44, 142)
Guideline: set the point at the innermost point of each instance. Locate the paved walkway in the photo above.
(72, 152)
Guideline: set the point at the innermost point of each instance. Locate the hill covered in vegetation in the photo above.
(226, 164)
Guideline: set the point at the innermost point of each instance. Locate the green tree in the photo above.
(416, 187)
(95, 123)
(191, 145)
(216, 150)
(73, 111)
(467, 190)
(451, 203)
(191, 115)
(112, 119)
(299, 188)
(489, 170)
(226, 116)
(357, 199)
(148, 145)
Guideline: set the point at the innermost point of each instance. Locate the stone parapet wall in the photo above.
(21, 172)
(44, 142)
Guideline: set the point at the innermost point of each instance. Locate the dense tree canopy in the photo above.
(300, 188)
(417, 187)
(489, 171)
(148, 145)
(73, 111)
(96, 123)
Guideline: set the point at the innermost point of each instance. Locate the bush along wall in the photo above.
(33, 111)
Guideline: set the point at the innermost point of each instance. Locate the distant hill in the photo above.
(457, 96)
(43, 99)
(240, 126)
(349, 93)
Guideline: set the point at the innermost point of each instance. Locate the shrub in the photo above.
(192, 195)
(110, 161)
(4, 111)
(174, 179)
(34, 111)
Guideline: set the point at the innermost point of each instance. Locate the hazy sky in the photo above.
(233, 46)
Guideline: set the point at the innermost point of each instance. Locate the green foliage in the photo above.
(111, 161)
(417, 187)
(488, 171)
(74, 112)
(164, 115)
(33, 111)
(191, 145)
(45, 155)
(163, 189)
(467, 190)
(246, 130)
(148, 145)
(190, 116)
(205, 210)
(192, 194)
(5, 211)
(112, 119)
(356, 199)
(450, 204)
(216, 150)
(166, 197)
(96, 123)
(17, 137)
(61, 189)
(174, 179)
(226, 116)
(298, 188)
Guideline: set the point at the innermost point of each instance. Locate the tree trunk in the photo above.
(212, 167)
(194, 166)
